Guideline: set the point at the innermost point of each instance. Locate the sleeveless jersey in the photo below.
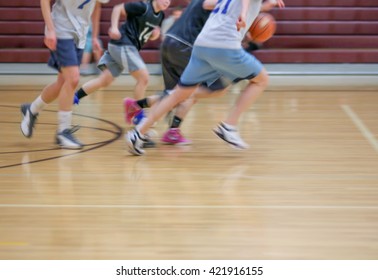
(220, 29)
(190, 24)
(72, 19)
(138, 27)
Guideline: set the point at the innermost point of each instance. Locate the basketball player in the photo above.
(143, 21)
(176, 49)
(217, 51)
(67, 25)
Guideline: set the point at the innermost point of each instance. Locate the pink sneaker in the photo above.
(173, 136)
(131, 109)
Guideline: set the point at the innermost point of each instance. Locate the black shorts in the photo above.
(175, 56)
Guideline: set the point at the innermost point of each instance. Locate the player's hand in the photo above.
(50, 39)
(114, 33)
(240, 23)
(96, 45)
(155, 34)
(280, 3)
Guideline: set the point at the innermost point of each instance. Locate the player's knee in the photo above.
(107, 82)
(144, 80)
(74, 81)
(262, 79)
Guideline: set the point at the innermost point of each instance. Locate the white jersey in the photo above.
(72, 19)
(220, 29)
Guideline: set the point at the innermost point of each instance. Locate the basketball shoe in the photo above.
(28, 121)
(131, 109)
(173, 136)
(134, 142)
(66, 140)
(231, 136)
(76, 100)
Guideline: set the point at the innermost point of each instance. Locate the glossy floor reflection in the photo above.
(306, 189)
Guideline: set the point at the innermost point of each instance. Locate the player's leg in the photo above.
(101, 81)
(135, 138)
(64, 136)
(239, 65)
(175, 58)
(30, 111)
(209, 89)
(196, 71)
(110, 68)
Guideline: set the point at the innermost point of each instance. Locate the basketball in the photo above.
(263, 28)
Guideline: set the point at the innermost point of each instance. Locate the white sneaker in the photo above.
(230, 136)
(66, 140)
(135, 142)
(28, 121)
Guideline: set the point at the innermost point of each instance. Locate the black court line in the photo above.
(117, 134)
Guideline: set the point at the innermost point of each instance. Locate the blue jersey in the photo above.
(220, 30)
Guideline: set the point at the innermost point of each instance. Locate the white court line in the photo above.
(119, 206)
(361, 126)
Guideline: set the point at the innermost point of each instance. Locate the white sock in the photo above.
(37, 105)
(229, 126)
(65, 119)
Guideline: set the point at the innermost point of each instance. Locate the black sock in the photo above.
(143, 103)
(81, 93)
(176, 122)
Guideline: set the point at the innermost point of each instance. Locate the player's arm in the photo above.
(241, 23)
(96, 15)
(280, 3)
(50, 35)
(118, 11)
(270, 4)
(209, 4)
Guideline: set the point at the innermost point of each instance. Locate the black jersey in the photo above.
(190, 24)
(141, 21)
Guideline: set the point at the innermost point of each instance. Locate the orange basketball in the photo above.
(263, 28)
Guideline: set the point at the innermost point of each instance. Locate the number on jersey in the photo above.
(81, 6)
(222, 6)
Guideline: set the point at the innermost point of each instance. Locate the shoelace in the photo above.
(175, 135)
(33, 119)
(74, 128)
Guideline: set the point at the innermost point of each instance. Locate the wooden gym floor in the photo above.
(306, 189)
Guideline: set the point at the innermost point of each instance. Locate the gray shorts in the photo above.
(120, 58)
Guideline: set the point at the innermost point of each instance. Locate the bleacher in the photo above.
(308, 31)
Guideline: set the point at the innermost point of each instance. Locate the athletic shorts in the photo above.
(120, 58)
(175, 56)
(209, 64)
(66, 54)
